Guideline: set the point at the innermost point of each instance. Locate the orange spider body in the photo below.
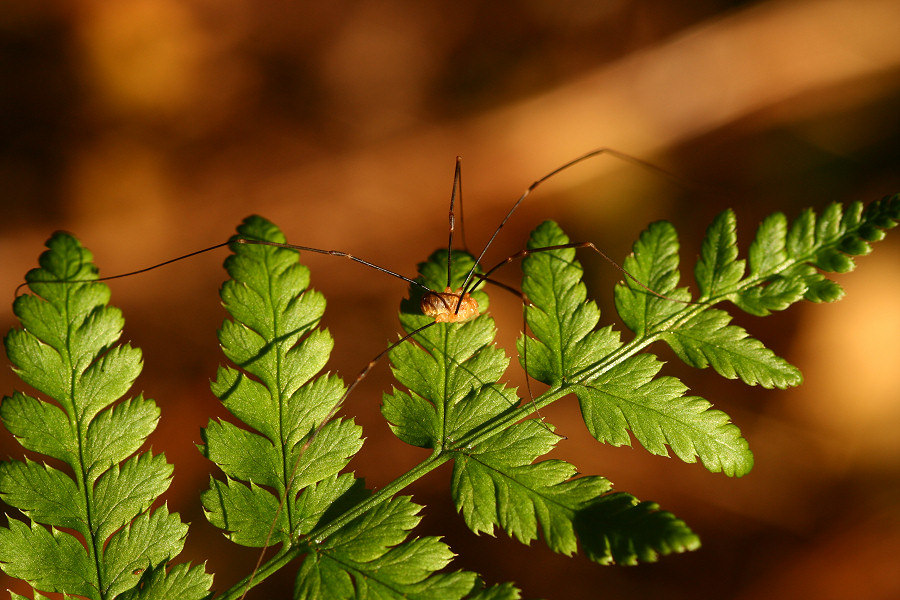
(441, 306)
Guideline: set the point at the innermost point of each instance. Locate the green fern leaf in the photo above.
(656, 411)
(654, 263)
(451, 370)
(66, 351)
(617, 388)
(503, 591)
(274, 341)
(180, 581)
(48, 560)
(620, 529)
(496, 483)
(562, 319)
(768, 249)
(785, 261)
(718, 267)
(370, 559)
(707, 339)
(767, 253)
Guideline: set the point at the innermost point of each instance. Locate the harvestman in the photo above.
(447, 306)
(456, 306)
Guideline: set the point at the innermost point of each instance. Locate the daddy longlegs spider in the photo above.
(454, 305)
(443, 306)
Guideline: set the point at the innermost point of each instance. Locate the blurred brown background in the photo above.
(151, 127)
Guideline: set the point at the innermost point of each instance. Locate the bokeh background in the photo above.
(150, 128)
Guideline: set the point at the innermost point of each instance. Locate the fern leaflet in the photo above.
(66, 351)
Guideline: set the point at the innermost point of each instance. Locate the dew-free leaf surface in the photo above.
(89, 527)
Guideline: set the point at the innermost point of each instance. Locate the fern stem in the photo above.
(434, 461)
(502, 422)
(81, 474)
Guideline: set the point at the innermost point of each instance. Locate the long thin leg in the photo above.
(462, 217)
(129, 273)
(596, 152)
(457, 183)
(509, 289)
(240, 241)
(330, 253)
(523, 253)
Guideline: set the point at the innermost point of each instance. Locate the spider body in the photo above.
(442, 306)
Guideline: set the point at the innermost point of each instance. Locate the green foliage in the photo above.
(274, 341)
(369, 558)
(284, 452)
(617, 384)
(90, 528)
(456, 406)
(283, 483)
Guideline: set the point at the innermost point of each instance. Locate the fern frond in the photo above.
(707, 339)
(66, 351)
(497, 483)
(180, 581)
(450, 371)
(699, 335)
(89, 528)
(503, 591)
(785, 261)
(619, 528)
(352, 542)
(274, 341)
(618, 388)
(454, 404)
